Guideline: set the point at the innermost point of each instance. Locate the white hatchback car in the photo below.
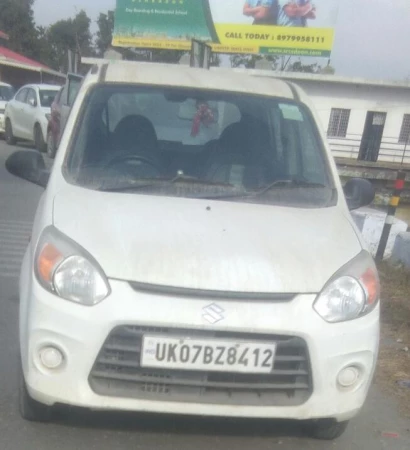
(27, 115)
(193, 253)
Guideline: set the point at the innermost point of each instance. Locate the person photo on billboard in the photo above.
(262, 11)
(295, 13)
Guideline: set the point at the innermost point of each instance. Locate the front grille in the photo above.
(117, 372)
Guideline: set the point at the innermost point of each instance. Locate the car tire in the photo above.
(30, 409)
(326, 429)
(51, 145)
(10, 139)
(39, 141)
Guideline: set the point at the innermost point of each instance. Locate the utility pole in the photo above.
(391, 212)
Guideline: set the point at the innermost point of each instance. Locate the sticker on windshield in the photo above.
(291, 112)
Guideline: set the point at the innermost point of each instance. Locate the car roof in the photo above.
(175, 75)
(5, 84)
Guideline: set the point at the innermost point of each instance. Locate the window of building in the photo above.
(404, 137)
(338, 123)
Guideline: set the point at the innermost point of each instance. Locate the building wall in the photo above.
(395, 101)
(19, 77)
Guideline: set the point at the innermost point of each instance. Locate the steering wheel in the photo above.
(125, 158)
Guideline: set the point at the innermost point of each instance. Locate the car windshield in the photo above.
(6, 93)
(200, 144)
(47, 97)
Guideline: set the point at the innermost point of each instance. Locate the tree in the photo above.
(328, 70)
(298, 66)
(105, 23)
(249, 61)
(16, 19)
(44, 49)
(69, 35)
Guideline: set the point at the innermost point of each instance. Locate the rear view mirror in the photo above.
(32, 102)
(359, 193)
(29, 166)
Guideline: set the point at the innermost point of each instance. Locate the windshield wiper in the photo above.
(265, 189)
(291, 183)
(159, 182)
(128, 187)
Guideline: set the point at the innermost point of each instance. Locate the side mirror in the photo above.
(359, 192)
(29, 166)
(32, 102)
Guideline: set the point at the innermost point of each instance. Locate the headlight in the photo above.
(351, 293)
(67, 270)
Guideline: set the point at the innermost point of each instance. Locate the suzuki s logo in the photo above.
(213, 313)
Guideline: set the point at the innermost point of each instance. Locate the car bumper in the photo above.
(80, 333)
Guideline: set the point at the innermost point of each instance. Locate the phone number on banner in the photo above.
(309, 39)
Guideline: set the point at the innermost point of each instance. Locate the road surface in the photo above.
(83, 430)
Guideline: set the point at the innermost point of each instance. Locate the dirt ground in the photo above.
(394, 358)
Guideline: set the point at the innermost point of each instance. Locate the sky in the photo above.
(372, 36)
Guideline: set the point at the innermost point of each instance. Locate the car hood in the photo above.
(208, 245)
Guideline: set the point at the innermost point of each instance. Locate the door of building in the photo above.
(372, 136)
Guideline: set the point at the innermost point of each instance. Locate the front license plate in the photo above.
(207, 354)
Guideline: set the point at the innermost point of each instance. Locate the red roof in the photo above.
(11, 56)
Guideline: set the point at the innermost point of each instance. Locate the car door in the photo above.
(29, 114)
(68, 97)
(15, 112)
(54, 123)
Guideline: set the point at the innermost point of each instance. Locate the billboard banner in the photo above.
(287, 27)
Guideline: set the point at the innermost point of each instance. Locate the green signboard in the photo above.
(296, 27)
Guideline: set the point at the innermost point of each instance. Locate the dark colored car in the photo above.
(60, 110)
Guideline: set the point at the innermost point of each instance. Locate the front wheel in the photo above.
(39, 139)
(326, 429)
(30, 409)
(10, 139)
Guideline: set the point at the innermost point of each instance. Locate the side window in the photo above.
(63, 95)
(22, 95)
(31, 97)
(73, 88)
(58, 96)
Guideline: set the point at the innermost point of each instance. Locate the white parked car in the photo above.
(6, 94)
(27, 115)
(193, 253)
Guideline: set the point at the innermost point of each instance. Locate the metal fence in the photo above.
(391, 150)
